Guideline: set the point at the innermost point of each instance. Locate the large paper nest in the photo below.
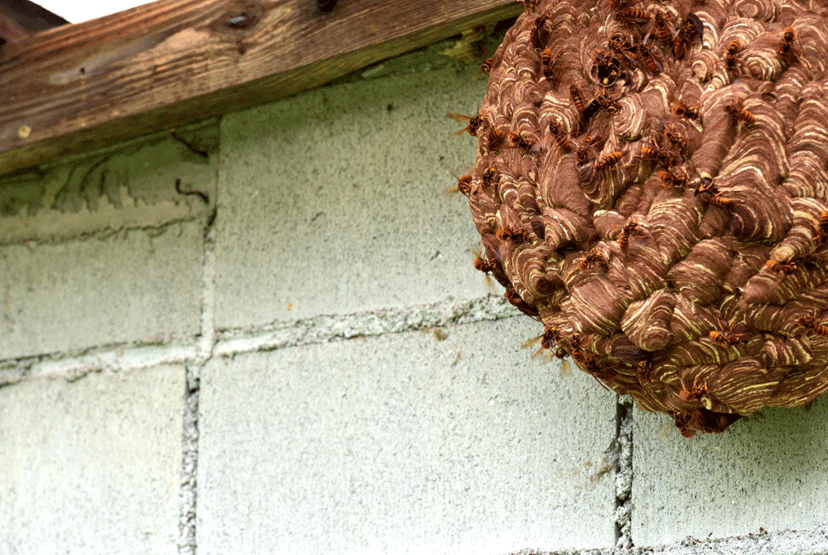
(651, 185)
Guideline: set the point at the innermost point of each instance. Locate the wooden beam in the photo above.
(171, 62)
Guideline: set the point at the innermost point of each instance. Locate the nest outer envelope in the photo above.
(662, 209)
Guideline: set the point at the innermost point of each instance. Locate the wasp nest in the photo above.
(651, 185)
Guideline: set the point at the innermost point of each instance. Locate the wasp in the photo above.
(705, 187)
(717, 199)
(624, 238)
(473, 123)
(683, 110)
(644, 371)
(463, 185)
(589, 112)
(676, 138)
(515, 235)
(559, 137)
(521, 142)
(595, 258)
(633, 15)
(662, 31)
(661, 155)
(548, 64)
(674, 178)
(633, 228)
(575, 346)
(517, 301)
(548, 338)
(490, 176)
(690, 30)
(737, 114)
(583, 152)
(577, 98)
(486, 66)
(599, 371)
(786, 51)
(529, 5)
(487, 266)
(822, 232)
(811, 322)
(694, 393)
(609, 160)
(483, 265)
(607, 101)
(651, 62)
(782, 269)
(495, 138)
(540, 32)
(621, 47)
(730, 59)
(725, 337)
(721, 201)
(586, 111)
(596, 369)
(710, 194)
(556, 134)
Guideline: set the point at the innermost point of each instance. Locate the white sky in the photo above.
(75, 11)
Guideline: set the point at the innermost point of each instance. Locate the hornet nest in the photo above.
(651, 184)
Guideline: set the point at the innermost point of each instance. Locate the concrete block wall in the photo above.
(301, 359)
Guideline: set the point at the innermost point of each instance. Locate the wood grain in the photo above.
(171, 62)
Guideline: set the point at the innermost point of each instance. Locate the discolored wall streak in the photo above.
(651, 186)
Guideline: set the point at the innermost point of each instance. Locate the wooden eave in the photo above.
(171, 62)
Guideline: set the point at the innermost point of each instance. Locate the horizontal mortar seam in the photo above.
(318, 329)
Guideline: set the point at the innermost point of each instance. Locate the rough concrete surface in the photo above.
(92, 466)
(330, 202)
(136, 285)
(768, 471)
(406, 443)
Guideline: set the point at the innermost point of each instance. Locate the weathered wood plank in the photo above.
(171, 62)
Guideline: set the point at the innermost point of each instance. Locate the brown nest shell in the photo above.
(651, 185)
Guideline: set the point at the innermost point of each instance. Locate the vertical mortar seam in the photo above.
(188, 495)
(622, 517)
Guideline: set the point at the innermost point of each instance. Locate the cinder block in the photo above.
(331, 202)
(766, 471)
(404, 443)
(135, 285)
(92, 466)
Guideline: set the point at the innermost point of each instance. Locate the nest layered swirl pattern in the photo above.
(651, 184)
